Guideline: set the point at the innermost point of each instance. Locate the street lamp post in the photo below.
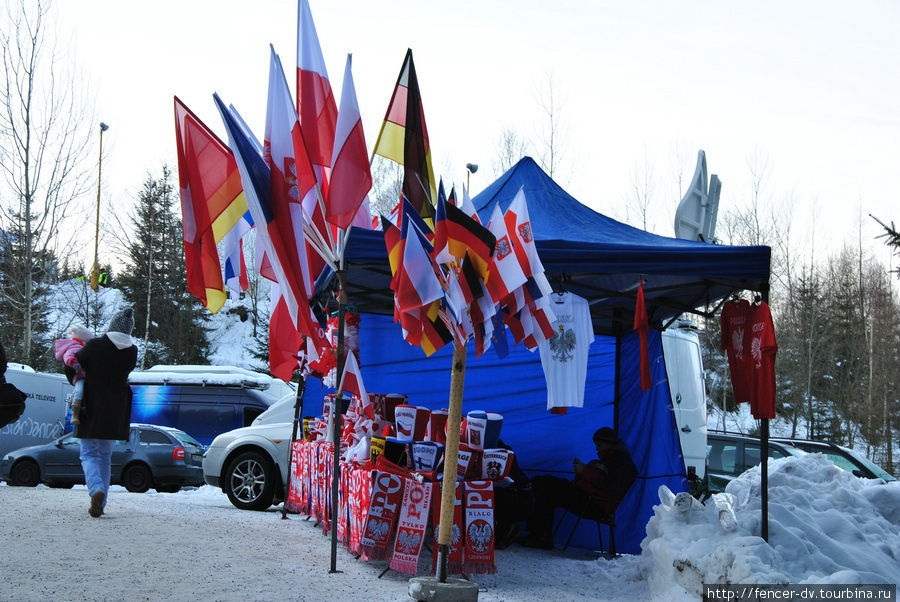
(95, 271)
(470, 169)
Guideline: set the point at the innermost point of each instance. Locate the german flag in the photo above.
(393, 243)
(435, 333)
(404, 139)
(457, 235)
(469, 282)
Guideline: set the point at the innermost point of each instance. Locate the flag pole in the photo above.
(336, 412)
(451, 458)
(298, 411)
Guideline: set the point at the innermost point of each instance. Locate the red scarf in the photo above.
(642, 327)
(360, 494)
(411, 526)
(295, 484)
(455, 557)
(479, 509)
(387, 494)
(343, 526)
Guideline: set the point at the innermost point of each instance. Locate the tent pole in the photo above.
(451, 457)
(298, 410)
(336, 413)
(617, 392)
(764, 452)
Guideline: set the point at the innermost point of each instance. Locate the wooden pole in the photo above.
(451, 458)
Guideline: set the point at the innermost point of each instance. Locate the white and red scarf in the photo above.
(411, 526)
(360, 494)
(343, 526)
(455, 557)
(478, 556)
(293, 502)
(387, 494)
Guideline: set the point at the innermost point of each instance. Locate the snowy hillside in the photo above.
(230, 338)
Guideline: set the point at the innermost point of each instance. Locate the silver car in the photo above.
(153, 456)
(250, 464)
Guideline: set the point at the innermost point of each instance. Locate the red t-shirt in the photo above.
(735, 339)
(761, 348)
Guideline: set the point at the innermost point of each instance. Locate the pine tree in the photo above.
(171, 322)
(19, 308)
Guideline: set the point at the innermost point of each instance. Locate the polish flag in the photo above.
(506, 272)
(352, 382)
(351, 178)
(315, 101)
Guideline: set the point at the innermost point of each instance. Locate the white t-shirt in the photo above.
(564, 357)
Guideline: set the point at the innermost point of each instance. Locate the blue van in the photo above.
(203, 401)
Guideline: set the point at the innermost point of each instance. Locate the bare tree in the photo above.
(643, 183)
(387, 181)
(553, 142)
(44, 140)
(510, 149)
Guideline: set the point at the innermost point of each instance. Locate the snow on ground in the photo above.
(825, 526)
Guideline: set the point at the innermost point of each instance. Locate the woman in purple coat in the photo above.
(106, 407)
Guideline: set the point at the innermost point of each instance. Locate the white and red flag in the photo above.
(506, 273)
(315, 101)
(352, 382)
(351, 178)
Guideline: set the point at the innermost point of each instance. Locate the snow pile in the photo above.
(825, 526)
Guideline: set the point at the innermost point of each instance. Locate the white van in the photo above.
(44, 418)
(684, 368)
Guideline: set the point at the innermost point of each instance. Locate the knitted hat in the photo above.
(123, 321)
(80, 332)
(606, 434)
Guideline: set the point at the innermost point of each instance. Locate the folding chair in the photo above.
(593, 513)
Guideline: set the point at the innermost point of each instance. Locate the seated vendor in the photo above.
(598, 486)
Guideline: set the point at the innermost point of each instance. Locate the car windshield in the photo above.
(185, 438)
(877, 470)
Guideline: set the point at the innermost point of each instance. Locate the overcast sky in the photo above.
(809, 86)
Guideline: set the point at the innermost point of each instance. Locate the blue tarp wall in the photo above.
(544, 443)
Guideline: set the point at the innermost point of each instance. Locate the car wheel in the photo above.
(250, 481)
(137, 478)
(168, 488)
(25, 473)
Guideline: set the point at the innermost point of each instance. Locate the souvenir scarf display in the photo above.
(455, 557)
(294, 502)
(343, 522)
(387, 495)
(358, 504)
(411, 526)
(478, 552)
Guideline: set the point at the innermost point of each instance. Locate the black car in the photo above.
(153, 456)
(843, 457)
(728, 455)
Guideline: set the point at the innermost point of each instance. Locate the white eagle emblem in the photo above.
(737, 343)
(525, 231)
(480, 534)
(562, 345)
(378, 530)
(756, 351)
(290, 178)
(503, 247)
(408, 541)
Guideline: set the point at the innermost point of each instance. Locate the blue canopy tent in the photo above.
(601, 260)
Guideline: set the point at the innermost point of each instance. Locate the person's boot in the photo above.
(96, 508)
